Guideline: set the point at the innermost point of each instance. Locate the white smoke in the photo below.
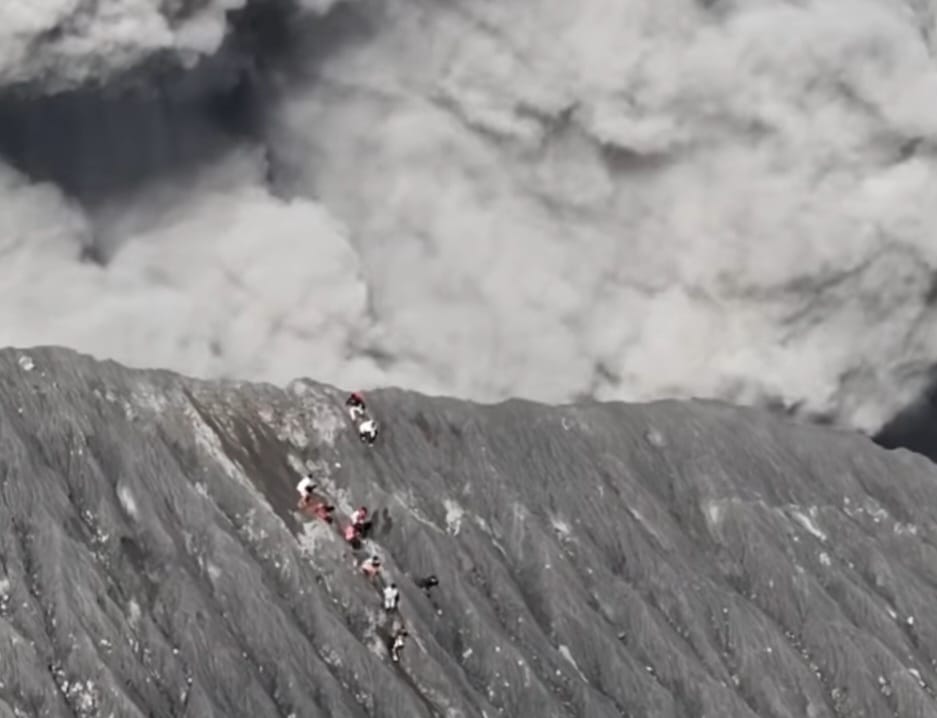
(622, 199)
(63, 43)
(220, 278)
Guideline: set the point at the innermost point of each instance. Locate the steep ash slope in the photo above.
(671, 559)
(403, 182)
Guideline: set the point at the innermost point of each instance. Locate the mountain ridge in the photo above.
(668, 559)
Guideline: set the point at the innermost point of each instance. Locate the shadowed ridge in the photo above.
(670, 559)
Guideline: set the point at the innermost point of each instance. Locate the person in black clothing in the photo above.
(427, 583)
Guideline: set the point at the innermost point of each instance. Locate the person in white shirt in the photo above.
(367, 431)
(305, 487)
(391, 597)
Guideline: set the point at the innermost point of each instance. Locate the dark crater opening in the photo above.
(914, 427)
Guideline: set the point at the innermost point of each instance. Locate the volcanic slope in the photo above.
(671, 559)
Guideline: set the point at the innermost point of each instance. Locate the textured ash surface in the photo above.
(671, 559)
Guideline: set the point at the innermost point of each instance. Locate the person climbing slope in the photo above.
(306, 488)
(352, 535)
(359, 515)
(397, 643)
(356, 406)
(364, 423)
(309, 502)
(391, 597)
(370, 567)
(323, 510)
(359, 519)
(367, 431)
(427, 582)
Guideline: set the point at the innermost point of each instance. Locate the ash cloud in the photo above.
(546, 201)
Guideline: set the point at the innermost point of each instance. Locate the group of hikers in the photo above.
(314, 504)
(367, 427)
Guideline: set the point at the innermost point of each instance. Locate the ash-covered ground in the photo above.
(668, 559)
(605, 199)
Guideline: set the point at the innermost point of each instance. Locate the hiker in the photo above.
(310, 503)
(370, 567)
(427, 582)
(353, 536)
(306, 487)
(367, 427)
(367, 431)
(359, 516)
(359, 519)
(323, 510)
(397, 642)
(356, 407)
(391, 597)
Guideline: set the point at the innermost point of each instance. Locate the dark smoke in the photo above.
(103, 141)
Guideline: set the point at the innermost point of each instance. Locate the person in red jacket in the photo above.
(353, 535)
(309, 502)
(359, 516)
(323, 511)
(360, 520)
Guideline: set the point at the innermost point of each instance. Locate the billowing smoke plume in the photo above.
(628, 199)
(59, 45)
